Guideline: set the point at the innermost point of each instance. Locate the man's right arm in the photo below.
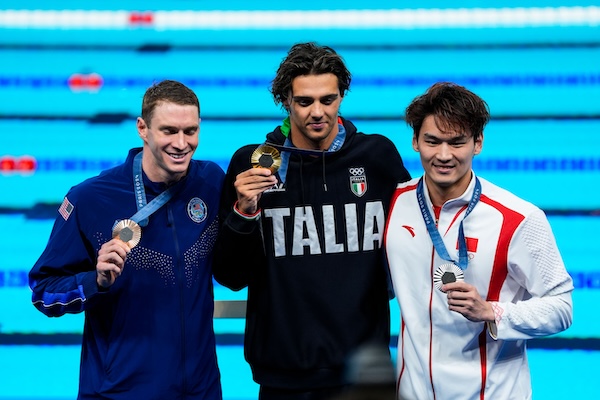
(239, 250)
(64, 279)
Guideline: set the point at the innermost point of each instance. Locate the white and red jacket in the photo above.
(514, 263)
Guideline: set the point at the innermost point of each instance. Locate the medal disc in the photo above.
(447, 273)
(128, 231)
(266, 157)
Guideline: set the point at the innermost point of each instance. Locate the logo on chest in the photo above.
(197, 210)
(358, 180)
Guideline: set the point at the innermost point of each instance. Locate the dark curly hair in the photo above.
(453, 107)
(308, 59)
(168, 91)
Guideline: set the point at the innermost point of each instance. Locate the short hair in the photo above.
(308, 59)
(453, 107)
(167, 91)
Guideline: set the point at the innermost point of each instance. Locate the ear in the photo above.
(478, 145)
(415, 143)
(142, 128)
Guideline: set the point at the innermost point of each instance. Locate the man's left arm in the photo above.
(535, 263)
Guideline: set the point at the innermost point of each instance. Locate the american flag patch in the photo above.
(66, 208)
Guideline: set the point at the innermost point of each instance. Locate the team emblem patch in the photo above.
(358, 180)
(197, 210)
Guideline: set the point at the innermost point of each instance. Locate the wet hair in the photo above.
(453, 107)
(308, 59)
(167, 91)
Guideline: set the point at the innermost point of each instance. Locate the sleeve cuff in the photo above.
(249, 217)
(90, 285)
(493, 326)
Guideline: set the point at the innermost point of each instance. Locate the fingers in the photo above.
(111, 259)
(254, 181)
(250, 185)
(466, 300)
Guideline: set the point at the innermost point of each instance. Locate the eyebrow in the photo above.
(173, 127)
(327, 96)
(454, 138)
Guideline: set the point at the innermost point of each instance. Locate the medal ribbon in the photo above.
(289, 148)
(436, 238)
(146, 209)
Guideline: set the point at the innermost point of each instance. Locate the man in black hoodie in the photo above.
(304, 233)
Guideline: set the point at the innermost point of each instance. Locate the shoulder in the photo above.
(406, 187)
(501, 198)
(381, 153)
(376, 146)
(240, 161)
(244, 151)
(105, 182)
(204, 175)
(375, 139)
(205, 168)
(373, 143)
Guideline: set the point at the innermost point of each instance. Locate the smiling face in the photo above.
(313, 107)
(170, 140)
(447, 158)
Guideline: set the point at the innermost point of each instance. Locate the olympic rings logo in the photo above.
(356, 171)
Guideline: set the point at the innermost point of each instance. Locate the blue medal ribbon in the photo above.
(436, 238)
(288, 148)
(146, 209)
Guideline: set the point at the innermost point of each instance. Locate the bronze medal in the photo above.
(447, 273)
(128, 231)
(266, 157)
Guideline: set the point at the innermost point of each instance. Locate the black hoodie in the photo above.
(313, 262)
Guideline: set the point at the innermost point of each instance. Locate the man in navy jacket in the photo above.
(132, 248)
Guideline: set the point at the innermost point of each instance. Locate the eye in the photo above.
(459, 143)
(328, 100)
(304, 102)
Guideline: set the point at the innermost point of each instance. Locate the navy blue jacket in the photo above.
(150, 336)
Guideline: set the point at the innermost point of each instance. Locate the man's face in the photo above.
(313, 107)
(447, 159)
(170, 140)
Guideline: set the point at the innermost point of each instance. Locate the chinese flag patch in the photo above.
(471, 244)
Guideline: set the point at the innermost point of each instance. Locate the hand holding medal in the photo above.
(266, 157)
(127, 231)
(447, 273)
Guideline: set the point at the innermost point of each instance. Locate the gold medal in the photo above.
(128, 231)
(266, 157)
(447, 273)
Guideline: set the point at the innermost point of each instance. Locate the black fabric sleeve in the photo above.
(239, 250)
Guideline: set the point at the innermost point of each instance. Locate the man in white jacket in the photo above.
(476, 269)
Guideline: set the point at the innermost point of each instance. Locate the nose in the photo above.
(444, 152)
(316, 110)
(179, 141)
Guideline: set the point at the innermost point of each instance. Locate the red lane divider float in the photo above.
(85, 82)
(141, 18)
(17, 165)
